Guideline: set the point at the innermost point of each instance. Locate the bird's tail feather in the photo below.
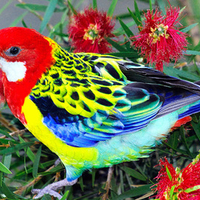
(191, 109)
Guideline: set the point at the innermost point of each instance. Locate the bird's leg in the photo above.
(108, 182)
(57, 162)
(52, 188)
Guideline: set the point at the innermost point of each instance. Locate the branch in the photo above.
(7, 124)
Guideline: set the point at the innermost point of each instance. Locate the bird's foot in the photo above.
(52, 189)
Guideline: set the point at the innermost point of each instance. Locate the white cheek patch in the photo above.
(14, 70)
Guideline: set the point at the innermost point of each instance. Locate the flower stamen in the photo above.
(91, 33)
(159, 31)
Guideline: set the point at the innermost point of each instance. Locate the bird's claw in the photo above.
(42, 192)
(51, 189)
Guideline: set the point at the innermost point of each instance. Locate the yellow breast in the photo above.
(68, 154)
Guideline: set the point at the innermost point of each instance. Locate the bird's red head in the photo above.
(22, 46)
(24, 56)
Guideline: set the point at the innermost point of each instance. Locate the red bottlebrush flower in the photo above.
(159, 39)
(88, 30)
(178, 184)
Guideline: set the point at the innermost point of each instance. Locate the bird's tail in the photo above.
(192, 108)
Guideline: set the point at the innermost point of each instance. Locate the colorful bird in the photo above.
(91, 110)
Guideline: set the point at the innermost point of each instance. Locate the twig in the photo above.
(108, 182)
(18, 132)
(33, 182)
(7, 124)
(149, 194)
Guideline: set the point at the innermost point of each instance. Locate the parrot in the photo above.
(92, 110)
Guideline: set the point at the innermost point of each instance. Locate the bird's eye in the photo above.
(13, 51)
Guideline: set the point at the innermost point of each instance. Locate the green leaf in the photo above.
(139, 23)
(81, 183)
(188, 28)
(180, 74)
(7, 135)
(18, 19)
(7, 160)
(185, 141)
(196, 129)
(112, 7)
(48, 14)
(116, 45)
(5, 190)
(5, 6)
(72, 8)
(37, 161)
(162, 5)
(134, 192)
(172, 191)
(150, 5)
(123, 16)
(196, 187)
(137, 11)
(120, 31)
(196, 48)
(24, 24)
(29, 153)
(181, 10)
(94, 4)
(4, 169)
(168, 173)
(15, 148)
(36, 7)
(173, 139)
(121, 180)
(128, 32)
(176, 150)
(1, 178)
(46, 197)
(133, 173)
(64, 197)
(93, 177)
(53, 170)
(191, 52)
(125, 54)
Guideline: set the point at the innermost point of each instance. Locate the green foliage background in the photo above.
(27, 164)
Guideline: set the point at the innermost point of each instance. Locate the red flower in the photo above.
(88, 30)
(176, 184)
(159, 39)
